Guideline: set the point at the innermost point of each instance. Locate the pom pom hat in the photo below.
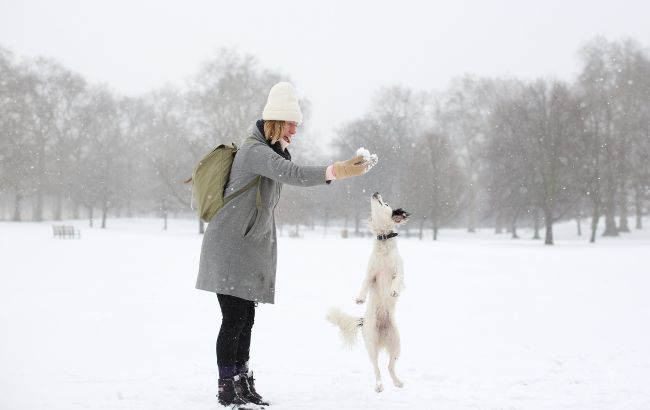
(282, 104)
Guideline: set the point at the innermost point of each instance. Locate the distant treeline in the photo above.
(497, 152)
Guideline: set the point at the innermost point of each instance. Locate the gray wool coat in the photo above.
(239, 250)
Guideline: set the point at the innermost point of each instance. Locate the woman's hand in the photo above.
(354, 167)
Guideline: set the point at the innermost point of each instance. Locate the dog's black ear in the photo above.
(400, 215)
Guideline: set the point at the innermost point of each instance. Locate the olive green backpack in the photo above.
(209, 180)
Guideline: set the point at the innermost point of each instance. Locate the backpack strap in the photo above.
(254, 182)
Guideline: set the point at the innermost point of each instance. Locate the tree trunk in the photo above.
(595, 216)
(435, 233)
(548, 240)
(622, 220)
(421, 228)
(513, 224)
(610, 209)
(536, 224)
(104, 213)
(579, 224)
(90, 216)
(165, 221)
(610, 222)
(548, 221)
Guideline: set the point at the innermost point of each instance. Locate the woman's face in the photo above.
(290, 128)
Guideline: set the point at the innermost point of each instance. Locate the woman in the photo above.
(238, 255)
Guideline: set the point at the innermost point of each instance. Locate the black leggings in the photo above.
(234, 341)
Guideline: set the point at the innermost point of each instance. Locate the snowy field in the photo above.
(112, 321)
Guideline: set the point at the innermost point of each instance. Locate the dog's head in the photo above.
(382, 217)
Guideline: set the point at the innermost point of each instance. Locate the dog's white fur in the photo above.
(384, 282)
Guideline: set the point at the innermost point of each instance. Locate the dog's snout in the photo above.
(375, 195)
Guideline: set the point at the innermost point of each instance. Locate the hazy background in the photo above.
(336, 52)
(500, 115)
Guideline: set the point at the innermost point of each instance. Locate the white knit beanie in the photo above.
(282, 104)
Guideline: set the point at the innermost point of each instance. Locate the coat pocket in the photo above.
(251, 222)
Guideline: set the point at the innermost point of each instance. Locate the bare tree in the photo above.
(167, 152)
(541, 123)
(18, 131)
(508, 176)
(613, 88)
(443, 179)
(463, 117)
(102, 153)
(59, 95)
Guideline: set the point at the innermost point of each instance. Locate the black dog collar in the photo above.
(385, 236)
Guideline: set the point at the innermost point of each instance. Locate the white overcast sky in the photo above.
(337, 53)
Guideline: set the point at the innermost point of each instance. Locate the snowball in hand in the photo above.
(364, 153)
(369, 159)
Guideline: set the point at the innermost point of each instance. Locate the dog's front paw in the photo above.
(394, 294)
(360, 301)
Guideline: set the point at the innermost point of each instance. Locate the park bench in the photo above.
(65, 232)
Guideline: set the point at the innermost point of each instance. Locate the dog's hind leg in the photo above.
(393, 348)
(391, 369)
(374, 358)
(371, 339)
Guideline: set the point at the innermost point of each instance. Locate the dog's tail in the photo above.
(346, 323)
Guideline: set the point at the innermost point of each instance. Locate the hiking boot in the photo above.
(228, 392)
(248, 392)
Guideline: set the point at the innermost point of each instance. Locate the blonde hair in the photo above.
(273, 130)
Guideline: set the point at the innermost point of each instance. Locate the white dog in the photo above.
(384, 281)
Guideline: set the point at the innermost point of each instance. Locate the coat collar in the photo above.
(257, 132)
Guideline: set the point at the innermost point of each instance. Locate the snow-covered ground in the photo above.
(112, 321)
